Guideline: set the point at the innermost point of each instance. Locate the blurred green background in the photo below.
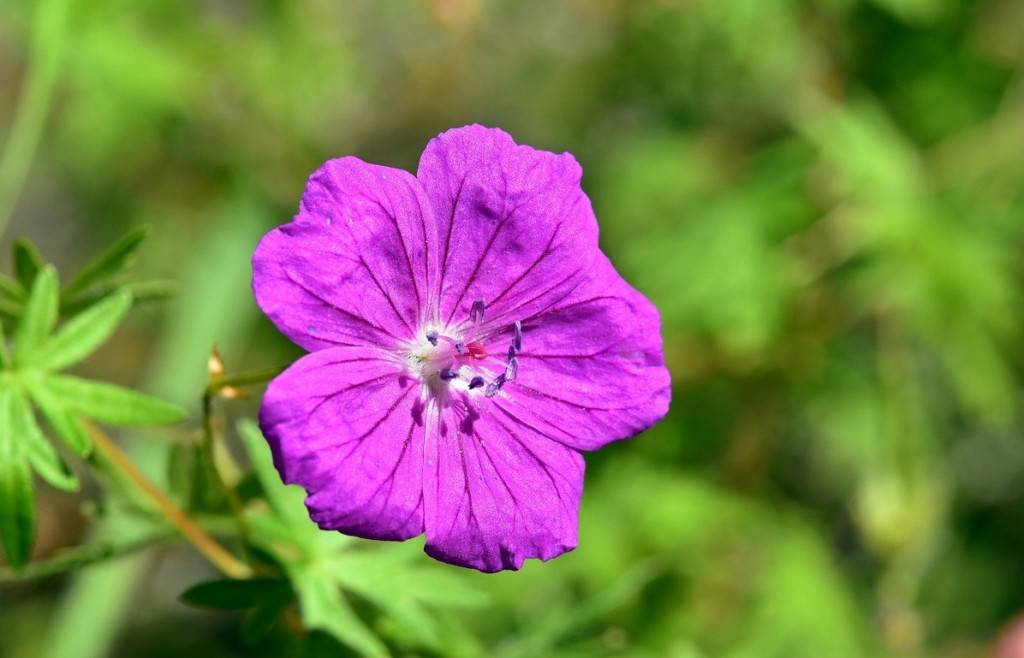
(825, 200)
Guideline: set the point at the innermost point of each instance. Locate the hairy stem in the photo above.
(204, 543)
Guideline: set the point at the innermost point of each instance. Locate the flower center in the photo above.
(447, 359)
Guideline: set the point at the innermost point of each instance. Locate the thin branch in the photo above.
(204, 543)
(83, 556)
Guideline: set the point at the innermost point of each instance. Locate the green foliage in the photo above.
(17, 508)
(327, 570)
(30, 376)
(823, 199)
(236, 594)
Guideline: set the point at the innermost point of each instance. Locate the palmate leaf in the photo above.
(17, 508)
(324, 608)
(107, 403)
(322, 568)
(401, 585)
(83, 334)
(39, 316)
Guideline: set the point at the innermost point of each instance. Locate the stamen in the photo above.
(512, 369)
(495, 386)
(476, 382)
(447, 374)
(460, 347)
(476, 313)
(517, 335)
(511, 352)
(432, 338)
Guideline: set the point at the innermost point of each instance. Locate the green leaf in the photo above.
(39, 316)
(107, 264)
(285, 501)
(83, 334)
(141, 292)
(395, 571)
(17, 508)
(41, 455)
(27, 263)
(64, 423)
(10, 309)
(262, 619)
(111, 404)
(324, 608)
(11, 289)
(231, 594)
(5, 355)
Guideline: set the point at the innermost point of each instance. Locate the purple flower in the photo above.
(468, 340)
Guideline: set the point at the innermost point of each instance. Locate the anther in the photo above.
(432, 338)
(511, 352)
(517, 335)
(476, 313)
(495, 386)
(447, 374)
(512, 369)
(460, 347)
(476, 382)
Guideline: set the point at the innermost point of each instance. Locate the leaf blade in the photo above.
(41, 455)
(107, 264)
(39, 316)
(286, 502)
(67, 427)
(111, 404)
(17, 507)
(324, 608)
(230, 594)
(84, 333)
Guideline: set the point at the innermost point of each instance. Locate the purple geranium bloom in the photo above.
(468, 341)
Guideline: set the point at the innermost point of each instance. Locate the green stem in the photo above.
(47, 50)
(228, 564)
(237, 508)
(209, 439)
(83, 556)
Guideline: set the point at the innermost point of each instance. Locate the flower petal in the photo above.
(497, 492)
(591, 369)
(356, 265)
(347, 426)
(514, 227)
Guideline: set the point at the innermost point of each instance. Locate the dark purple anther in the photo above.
(512, 369)
(460, 348)
(476, 382)
(511, 352)
(432, 338)
(447, 374)
(476, 313)
(517, 335)
(495, 386)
